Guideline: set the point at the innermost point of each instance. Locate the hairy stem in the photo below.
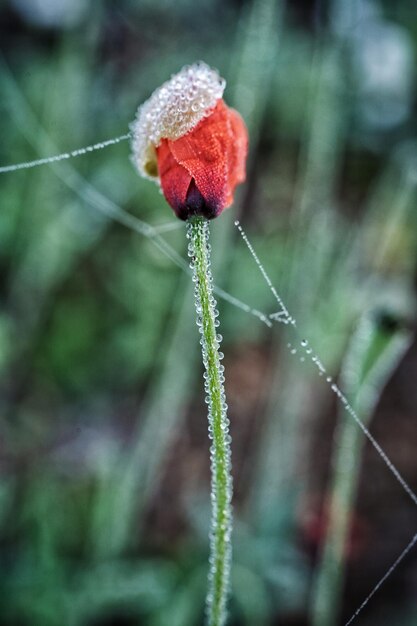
(221, 480)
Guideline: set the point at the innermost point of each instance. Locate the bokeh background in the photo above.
(104, 485)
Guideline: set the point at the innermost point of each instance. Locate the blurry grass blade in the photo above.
(123, 501)
(322, 287)
(324, 133)
(250, 596)
(255, 59)
(184, 606)
(387, 238)
(141, 588)
(311, 250)
(372, 357)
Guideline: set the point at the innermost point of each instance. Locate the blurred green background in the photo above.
(104, 485)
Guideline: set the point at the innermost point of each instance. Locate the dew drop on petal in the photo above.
(172, 111)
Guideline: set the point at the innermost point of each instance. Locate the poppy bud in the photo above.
(188, 140)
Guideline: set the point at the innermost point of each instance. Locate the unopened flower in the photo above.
(188, 140)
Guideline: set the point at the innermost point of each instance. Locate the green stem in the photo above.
(221, 480)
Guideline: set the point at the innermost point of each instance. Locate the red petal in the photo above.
(175, 180)
(238, 152)
(203, 152)
(213, 155)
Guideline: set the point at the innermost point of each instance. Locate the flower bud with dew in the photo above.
(186, 138)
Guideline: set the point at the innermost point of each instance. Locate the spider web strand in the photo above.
(383, 579)
(283, 316)
(64, 155)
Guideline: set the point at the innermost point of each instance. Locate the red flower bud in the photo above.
(199, 171)
(196, 146)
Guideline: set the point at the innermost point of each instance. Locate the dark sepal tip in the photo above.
(196, 205)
